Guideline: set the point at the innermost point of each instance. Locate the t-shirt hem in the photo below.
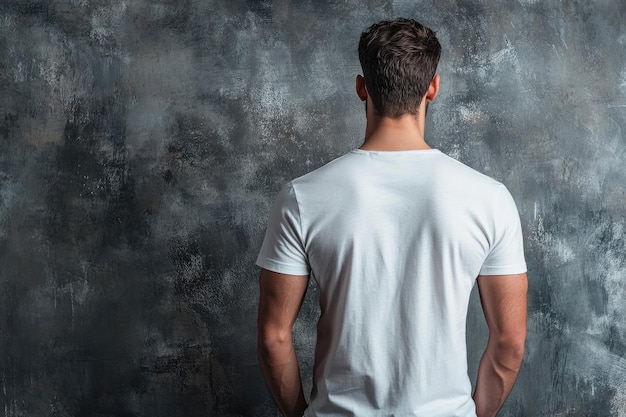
(282, 268)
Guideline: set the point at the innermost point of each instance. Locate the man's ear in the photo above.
(433, 89)
(361, 91)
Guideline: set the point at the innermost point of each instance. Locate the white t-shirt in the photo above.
(395, 242)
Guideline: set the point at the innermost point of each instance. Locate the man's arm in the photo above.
(503, 298)
(280, 301)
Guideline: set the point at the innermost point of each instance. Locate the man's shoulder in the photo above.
(328, 170)
(455, 176)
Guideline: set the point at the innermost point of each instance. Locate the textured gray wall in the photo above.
(143, 141)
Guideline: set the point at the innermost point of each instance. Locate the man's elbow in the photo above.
(272, 341)
(516, 350)
(509, 350)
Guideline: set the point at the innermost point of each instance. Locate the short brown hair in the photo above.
(399, 59)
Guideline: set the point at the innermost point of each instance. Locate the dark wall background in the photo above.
(143, 141)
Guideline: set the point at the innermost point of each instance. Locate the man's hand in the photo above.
(503, 298)
(280, 301)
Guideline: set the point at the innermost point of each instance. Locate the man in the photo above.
(395, 234)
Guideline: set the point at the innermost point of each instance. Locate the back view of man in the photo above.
(395, 235)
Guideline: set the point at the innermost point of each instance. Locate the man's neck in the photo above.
(400, 134)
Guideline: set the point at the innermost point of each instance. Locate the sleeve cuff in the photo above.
(282, 268)
(504, 269)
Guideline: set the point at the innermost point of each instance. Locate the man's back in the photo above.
(395, 241)
(395, 234)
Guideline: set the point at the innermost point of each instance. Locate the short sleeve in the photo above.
(282, 250)
(506, 255)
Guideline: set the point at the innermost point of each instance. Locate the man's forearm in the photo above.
(282, 375)
(497, 372)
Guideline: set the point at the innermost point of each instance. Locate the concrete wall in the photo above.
(143, 141)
